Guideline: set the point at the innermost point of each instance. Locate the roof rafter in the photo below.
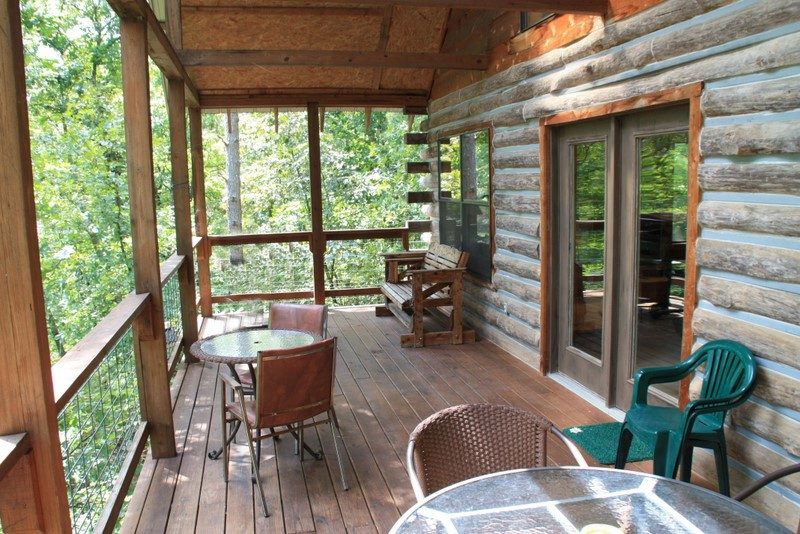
(161, 50)
(593, 7)
(239, 58)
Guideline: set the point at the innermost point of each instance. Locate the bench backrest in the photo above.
(444, 257)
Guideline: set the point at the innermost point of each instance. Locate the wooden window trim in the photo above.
(690, 93)
(488, 126)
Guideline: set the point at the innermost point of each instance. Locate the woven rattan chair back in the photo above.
(311, 318)
(470, 440)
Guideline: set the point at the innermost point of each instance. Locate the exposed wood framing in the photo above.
(382, 42)
(12, 449)
(231, 100)
(173, 23)
(405, 60)
(554, 6)
(317, 232)
(148, 329)
(160, 47)
(547, 305)
(181, 196)
(33, 493)
(200, 216)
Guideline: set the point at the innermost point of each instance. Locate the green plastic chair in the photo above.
(730, 376)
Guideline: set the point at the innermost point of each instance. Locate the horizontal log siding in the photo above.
(747, 53)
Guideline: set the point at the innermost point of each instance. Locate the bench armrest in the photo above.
(436, 275)
(406, 254)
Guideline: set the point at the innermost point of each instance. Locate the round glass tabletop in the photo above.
(243, 346)
(569, 499)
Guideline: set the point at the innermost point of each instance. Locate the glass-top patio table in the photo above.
(242, 347)
(568, 499)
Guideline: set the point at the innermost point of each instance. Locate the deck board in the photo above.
(382, 392)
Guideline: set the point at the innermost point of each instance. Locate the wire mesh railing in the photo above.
(173, 323)
(96, 429)
(356, 264)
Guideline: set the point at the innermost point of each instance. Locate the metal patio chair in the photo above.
(293, 386)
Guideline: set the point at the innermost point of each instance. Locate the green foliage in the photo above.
(364, 186)
(78, 151)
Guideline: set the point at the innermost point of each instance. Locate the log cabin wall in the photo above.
(747, 55)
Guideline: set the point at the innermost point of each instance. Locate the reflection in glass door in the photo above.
(588, 254)
(583, 162)
(662, 162)
(620, 221)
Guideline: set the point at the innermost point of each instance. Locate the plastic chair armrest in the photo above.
(647, 376)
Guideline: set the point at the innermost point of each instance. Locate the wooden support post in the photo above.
(318, 244)
(26, 383)
(181, 197)
(200, 217)
(148, 329)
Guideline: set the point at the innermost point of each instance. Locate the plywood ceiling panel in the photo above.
(279, 29)
(416, 29)
(419, 79)
(280, 77)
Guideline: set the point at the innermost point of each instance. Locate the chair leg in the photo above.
(300, 443)
(334, 430)
(256, 470)
(661, 462)
(686, 462)
(625, 438)
(224, 425)
(721, 459)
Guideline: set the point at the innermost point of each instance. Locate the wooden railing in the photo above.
(97, 397)
(207, 245)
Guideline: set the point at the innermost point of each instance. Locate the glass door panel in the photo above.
(662, 169)
(589, 247)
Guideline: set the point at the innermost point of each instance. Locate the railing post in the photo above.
(33, 494)
(148, 329)
(176, 102)
(318, 243)
(200, 217)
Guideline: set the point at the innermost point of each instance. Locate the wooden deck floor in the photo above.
(383, 391)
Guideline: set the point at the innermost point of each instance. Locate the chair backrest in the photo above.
(470, 440)
(441, 256)
(730, 371)
(295, 384)
(306, 317)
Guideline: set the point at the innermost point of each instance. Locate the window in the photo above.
(529, 19)
(464, 198)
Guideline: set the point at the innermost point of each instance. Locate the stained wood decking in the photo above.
(383, 391)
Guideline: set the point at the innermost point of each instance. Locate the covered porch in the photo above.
(383, 391)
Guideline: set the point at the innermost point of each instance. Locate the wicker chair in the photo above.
(470, 440)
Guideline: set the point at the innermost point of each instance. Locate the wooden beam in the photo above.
(173, 24)
(230, 240)
(26, 389)
(327, 58)
(386, 24)
(12, 448)
(595, 7)
(148, 328)
(160, 47)
(181, 198)
(200, 216)
(266, 10)
(224, 100)
(318, 244)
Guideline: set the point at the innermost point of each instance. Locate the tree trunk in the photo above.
(234, 185)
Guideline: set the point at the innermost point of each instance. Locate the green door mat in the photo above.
(600, 441)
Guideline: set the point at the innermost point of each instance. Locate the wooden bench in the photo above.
(421, 281)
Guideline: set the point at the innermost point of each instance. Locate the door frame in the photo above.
(690, 93)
